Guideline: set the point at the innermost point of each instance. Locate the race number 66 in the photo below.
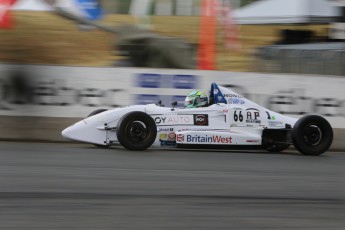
(238, 116)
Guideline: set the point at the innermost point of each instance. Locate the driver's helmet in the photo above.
(196, 99)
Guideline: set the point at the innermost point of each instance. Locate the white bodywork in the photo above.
(234, 121)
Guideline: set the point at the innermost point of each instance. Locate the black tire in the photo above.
(277, 147)
(92, 114)
(96, 112)
(312, 135)
(136, 131)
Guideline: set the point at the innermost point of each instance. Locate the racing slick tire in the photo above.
(277, 147)
(97, 111)
(312, 135)
(136, 131)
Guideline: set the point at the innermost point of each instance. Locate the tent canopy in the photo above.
(286, 12)
(32, 5)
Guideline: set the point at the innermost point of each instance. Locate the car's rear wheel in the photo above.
(312, 135)
(136, 131)
(97, 111)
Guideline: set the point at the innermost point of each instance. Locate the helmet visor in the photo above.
(189, 102)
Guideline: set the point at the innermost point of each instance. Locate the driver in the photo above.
(196, 99)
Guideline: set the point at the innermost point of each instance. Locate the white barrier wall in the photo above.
(56, 91)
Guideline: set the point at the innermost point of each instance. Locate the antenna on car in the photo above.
(160, 103)
(174, 104)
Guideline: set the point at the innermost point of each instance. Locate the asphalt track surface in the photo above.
(78, 186)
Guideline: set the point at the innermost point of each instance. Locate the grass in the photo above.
(45, 38)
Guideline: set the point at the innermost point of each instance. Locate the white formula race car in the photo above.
(230, 122)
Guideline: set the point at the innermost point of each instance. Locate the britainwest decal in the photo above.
(207, 139)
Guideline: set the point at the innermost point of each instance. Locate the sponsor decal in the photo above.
(172, 136)
(215, 91)
(276, 123)
(252, 116)
(159, 120)
(180, 130)
(201, 119)
(163, 136)
(168, 143)
(180, 137)
(253, 141)
(209, 139)
(174, 120)
(165, 129)
(236, 101)
(252, 121)
(232, 95)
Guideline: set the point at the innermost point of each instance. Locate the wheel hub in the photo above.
(137, 130)
(313, 134)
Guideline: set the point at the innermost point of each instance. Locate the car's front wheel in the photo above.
(136, 131)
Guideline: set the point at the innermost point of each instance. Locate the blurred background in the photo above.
(295, 36)
(60, 60)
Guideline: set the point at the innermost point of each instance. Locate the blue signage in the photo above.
(164, 81)
(184, 82)
(149, 80)
(91, 8)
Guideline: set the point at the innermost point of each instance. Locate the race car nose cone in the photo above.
(75, 132)
(68, 132)
(85, 131)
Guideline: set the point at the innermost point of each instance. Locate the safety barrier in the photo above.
(324, 58)
(37, 102)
